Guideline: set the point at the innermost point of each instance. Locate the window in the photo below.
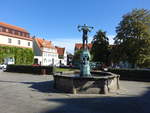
(28, 43)
(22, 34)
(7, 30)
(10, 31)
(13, 32)
(45, 60)
(19, 42)
(16, 33)
(4, 29)
(9, 40)
(0, 29)
(27, 35)
(19, 33)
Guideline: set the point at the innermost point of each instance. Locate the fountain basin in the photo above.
(98, 83)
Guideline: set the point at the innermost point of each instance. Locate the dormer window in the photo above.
(4, 29)
(13, 32)
(16, 33)
(19, 33)
(22, 34)
(7, 30)
(10, 31)
(27, 35)
(0, 29)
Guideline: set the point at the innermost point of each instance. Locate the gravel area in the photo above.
(26, 93)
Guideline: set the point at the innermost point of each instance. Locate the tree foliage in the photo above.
(132, 42)
(100, 47)
(21, 55)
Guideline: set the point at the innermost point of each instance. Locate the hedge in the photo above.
(132, 74)
(48, 70)
(21, 55)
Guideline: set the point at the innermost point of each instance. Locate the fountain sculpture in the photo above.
(86, 81)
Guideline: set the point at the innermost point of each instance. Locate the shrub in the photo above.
(31, 69)
(21, 55)
(132, 74)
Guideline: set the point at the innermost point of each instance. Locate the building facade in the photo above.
(62, 55)
(78, 46)
(13, 36)
(69, 59)
(44, 52)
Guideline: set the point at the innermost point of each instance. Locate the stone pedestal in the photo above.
(87, 85)
(85, 63)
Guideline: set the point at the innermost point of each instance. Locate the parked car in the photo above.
(3, 67)
(95, 65)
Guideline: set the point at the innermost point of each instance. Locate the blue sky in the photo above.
(57, 20)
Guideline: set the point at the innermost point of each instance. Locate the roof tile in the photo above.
(13, 27)
(44, 43)
(79, 45)
(60, 50)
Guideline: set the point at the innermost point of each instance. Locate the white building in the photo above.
(62, 55)
(45, 53)
(14, 36)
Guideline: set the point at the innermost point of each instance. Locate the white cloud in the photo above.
(111, 41)
(68, 43)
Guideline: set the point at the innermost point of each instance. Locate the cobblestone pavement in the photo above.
(25, 93)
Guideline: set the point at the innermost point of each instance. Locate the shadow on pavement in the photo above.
(44, 87)
(137, 104)
(101, 104)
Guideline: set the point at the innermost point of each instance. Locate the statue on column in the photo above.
(85, 55)
(85, 30)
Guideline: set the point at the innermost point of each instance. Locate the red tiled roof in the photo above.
(15, 36)
(13, 27)
(44, 43)
(60, 50)
(79, 45)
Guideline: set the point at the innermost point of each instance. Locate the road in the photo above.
(26, 93)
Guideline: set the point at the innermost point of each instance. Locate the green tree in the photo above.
(132, 42)
(100, 47)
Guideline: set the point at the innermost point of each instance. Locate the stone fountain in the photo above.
(86, 82)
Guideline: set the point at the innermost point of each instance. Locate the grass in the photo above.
(65, 69)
